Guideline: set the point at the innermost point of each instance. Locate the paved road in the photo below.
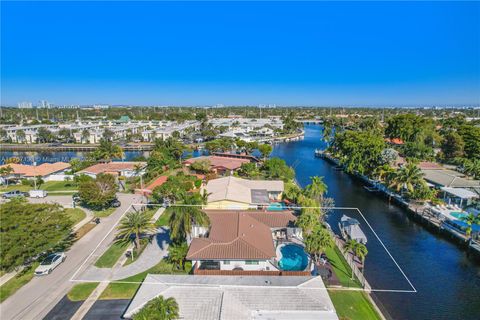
(39, 296)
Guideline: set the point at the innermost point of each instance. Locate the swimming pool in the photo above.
(458, 215)
(276, 206)
(294, 258)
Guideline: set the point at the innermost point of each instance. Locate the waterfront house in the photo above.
(237, 193)
(47, 171)
(119, 169)
(243, 241)
(219, 164)
(238, 298)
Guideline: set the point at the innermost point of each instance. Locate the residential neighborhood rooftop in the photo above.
(220, 162)
(113, 167)
(237, 297)
(239, 235)
(40, 170)
(242, 190)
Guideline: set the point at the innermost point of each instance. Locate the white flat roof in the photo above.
(239, 297)
(460, 192)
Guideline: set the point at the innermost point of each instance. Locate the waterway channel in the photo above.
(447, 281)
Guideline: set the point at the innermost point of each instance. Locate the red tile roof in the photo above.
(220, 162)
(396, 141)
(239, 235)
(41, 170)
(112, 167)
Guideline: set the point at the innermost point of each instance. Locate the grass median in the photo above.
(81, 291)
(119, 290)
(111, 256)
(76, 215)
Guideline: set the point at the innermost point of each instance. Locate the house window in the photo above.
(255, 262)
(226, 261)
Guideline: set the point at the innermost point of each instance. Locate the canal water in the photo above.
(446, 280)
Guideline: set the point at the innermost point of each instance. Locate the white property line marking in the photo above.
(98, 245)
(388, 252)
(297, 207)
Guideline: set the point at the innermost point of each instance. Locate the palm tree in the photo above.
(470, 220)
(177, 254)
(383, 172)
(5, 172)
(85, 135)
(159, 309)
(185, 215)
(307, 221)
(407, 177)
(316, 189)
(361, 252)
(134, 223)
(204, 196)
(318, 241)
(350, 247)
(358, 249)
(292, 191)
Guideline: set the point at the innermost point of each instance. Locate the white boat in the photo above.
(350, 229)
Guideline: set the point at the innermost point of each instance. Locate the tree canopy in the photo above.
(359, 151)
(27, 230)
(158, 308)
(99, 192)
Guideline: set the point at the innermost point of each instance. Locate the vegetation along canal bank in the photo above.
(446, 280)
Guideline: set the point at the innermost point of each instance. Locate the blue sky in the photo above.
(312, 53)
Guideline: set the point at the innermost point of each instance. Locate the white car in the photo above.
(49, 263)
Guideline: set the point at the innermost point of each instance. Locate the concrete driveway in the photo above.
(41, 294)
(65, 201)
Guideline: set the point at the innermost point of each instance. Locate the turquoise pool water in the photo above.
(276, 206)
(293, 258)
(458, 215)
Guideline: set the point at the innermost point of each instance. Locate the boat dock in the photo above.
(418, 212)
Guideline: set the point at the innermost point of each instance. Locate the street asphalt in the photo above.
(35, 299)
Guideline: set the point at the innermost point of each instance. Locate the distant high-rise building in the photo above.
(44, 104)
(101, 106)
(25, 105)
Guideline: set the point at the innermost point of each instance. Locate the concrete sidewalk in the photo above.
(151, 256)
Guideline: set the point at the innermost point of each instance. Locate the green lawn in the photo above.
(76, 214)
(118, 290)
(12, 285)
(341, 268)
(352, 305)
(163, 220)
(104, 213)
(81, 291)
(68, 186)
(111, 256)
(59, 186)
(20, 187)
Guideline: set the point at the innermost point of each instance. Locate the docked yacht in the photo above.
(350, 229)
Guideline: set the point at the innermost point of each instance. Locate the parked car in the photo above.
(37, 193)
(49, 263)
(13, 194)
(115, 203)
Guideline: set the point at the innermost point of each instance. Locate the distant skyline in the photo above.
(242, 53)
